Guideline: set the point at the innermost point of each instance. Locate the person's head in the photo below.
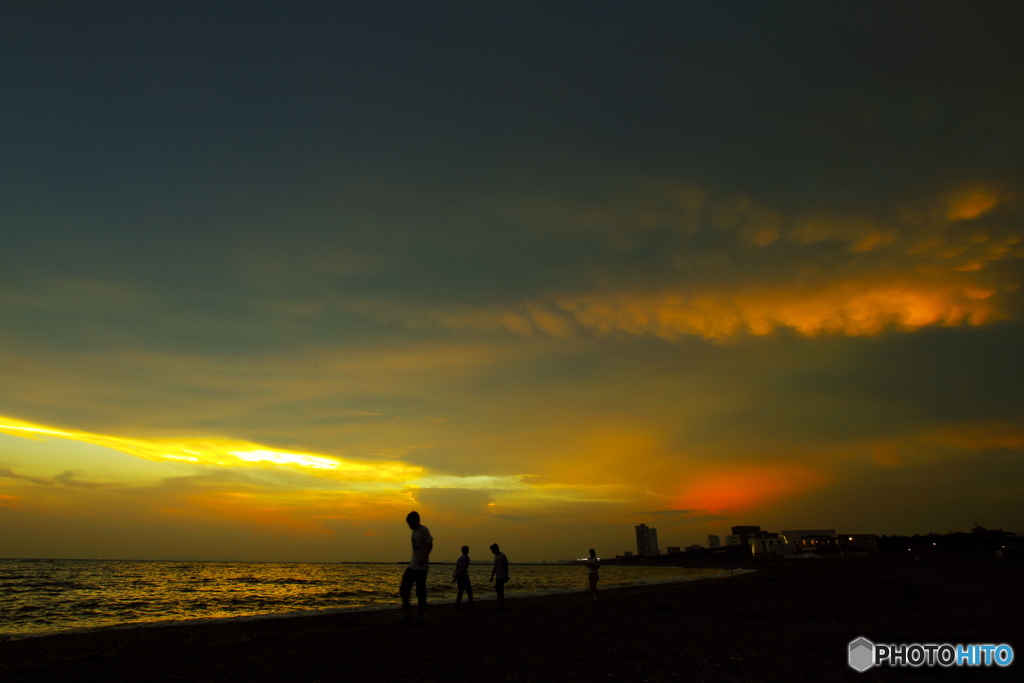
(494, 548)
(413, 520)
(465, 550)
(592, 553)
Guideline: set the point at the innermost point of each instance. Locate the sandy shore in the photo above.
(785, 623)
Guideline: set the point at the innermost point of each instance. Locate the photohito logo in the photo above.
(863, 654)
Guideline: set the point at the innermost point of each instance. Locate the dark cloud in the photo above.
(619, 245)
(73, 480)
(7, 473)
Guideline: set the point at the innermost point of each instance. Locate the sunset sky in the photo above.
(274, 274)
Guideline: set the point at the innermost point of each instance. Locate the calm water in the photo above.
(47, 596)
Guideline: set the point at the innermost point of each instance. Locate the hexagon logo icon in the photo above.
(862, 654)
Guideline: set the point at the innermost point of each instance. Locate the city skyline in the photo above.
(271, 277)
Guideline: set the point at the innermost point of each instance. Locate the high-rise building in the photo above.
(714, 541)
(646, 541)
(641, 540)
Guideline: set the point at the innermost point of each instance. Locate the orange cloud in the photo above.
(855, 308)
(742, 488)
(969, 204)
(9, 501)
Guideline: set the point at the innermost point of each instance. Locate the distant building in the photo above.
(714, 541)
(794, 536)
(695, 546)
(767, 543)
(741, 535)
(642, 547)
(672, 550)
(646, 541)
(813, 541)
(627, 554)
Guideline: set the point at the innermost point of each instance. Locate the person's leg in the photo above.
(405, 589)
(469, 592)
(421, 592)
(499, 586)
(461, 583)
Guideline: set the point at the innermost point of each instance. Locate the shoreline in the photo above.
(333, 611)
(782, 623)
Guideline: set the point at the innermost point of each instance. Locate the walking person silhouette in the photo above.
(416, 572)
(593, 565)
(461, 578)
(499, 575)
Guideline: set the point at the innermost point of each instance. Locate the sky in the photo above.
(274, 274)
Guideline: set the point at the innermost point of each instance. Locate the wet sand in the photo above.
(784, 623)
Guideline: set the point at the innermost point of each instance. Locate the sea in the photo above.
(42, 597)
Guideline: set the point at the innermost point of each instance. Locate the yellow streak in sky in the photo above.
(226, 453)
(35, 430)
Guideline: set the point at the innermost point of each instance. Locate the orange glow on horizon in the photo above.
(745, 488)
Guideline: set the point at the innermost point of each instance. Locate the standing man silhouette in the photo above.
(593, 565)
(416, 572)
(461, 578)
(499, 575)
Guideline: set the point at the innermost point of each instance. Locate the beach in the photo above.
(785, 621)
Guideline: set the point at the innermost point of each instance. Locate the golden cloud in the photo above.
(851, 307)
(855, 307)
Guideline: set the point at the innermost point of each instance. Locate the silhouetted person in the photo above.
(593, 565)
(416, 572)
(499, 574)
(461, 578)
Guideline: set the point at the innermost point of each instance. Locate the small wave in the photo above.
(342, 594)
(67, 585)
